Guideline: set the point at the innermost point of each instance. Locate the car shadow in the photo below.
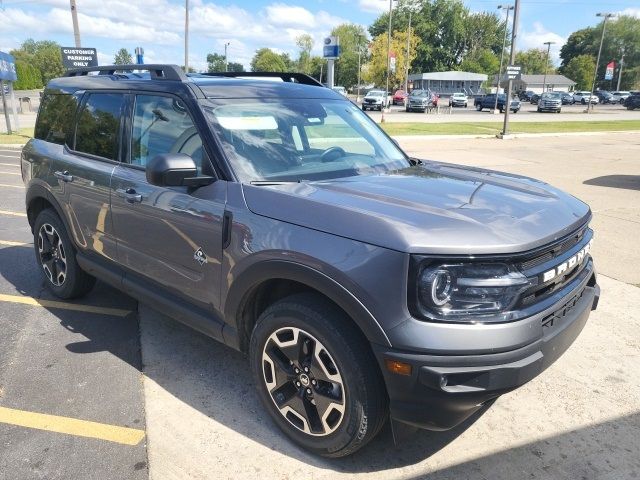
(204, 374)
(628, 182)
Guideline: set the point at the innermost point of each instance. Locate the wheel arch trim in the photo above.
(266, 270)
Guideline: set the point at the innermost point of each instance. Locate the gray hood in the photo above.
(434, 208)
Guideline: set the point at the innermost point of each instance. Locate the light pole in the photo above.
(504, 44)
(620, 70)
(595, 73)
(406, 78)
(186, 36)
(226, 64)
(74, 19)
(512, 60)
(546, 66)
(386, 93)
(359, 66)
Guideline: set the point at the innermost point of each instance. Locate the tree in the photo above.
(481, 61)
(266, 60)
(123, 57)
(215, 63)
(534, 62)
(447, 30)
(580, 70)
(376, 69)
(353, 38)
(305, 44)
(44, 55)
(29, 77)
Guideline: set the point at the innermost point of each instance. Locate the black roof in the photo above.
(170, 79)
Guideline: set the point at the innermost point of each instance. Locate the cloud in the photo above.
(632, 12)
(374, 6)
(537, 37)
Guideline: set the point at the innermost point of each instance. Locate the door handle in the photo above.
(64, 176)
(129, 195)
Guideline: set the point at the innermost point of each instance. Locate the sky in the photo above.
(158, 25)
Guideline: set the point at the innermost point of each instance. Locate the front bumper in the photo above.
(444, 390)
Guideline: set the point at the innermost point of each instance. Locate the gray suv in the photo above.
(276, 217)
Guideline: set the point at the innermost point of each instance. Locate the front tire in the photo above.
(479, 108)
(316, 376)
(57, 258)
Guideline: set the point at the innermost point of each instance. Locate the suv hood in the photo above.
(433, 208)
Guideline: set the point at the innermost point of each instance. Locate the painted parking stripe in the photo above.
(11, 186)
(10, 156)
(10, 164)
(12, 214)
(10, 173)
(39, 302)
(71, 426)
(8, 243)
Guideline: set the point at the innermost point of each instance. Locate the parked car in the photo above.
(341, 90)
(420, 100)
(620, 97)
(534, 99)
(550, 102)
(567, 98)
(583, 98)
(605, 97)
(399, 97)
(526, 95)
(459, 100)
(375, 100)
(489, 102)
(361, 284)
(632, 102)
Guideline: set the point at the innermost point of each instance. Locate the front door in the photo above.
(172, 236)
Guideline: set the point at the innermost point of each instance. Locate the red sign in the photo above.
(608, 74)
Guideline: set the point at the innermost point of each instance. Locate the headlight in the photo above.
(467, 292)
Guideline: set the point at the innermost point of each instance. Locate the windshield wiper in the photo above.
(415, 161)
(263, 183)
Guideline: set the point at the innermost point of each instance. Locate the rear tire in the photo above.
(56, 257)
(316, 375)
(479, 108)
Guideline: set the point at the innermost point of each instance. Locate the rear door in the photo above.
(172, 236)
(84, 171)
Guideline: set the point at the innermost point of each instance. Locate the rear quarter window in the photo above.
(56, 118)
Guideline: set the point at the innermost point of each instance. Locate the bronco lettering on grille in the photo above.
(567, 265)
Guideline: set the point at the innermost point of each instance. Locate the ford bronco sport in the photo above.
(276, 217)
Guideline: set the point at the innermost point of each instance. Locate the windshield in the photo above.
(418, 93)
(376, 93)
(280, 140)
(551, 95)
(459, 95)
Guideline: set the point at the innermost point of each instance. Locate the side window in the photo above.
(98, 125)
(55, 119)
(163, 125)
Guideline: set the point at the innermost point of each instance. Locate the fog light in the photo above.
(401, 368)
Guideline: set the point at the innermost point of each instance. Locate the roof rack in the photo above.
(157, 72)
(292, 77)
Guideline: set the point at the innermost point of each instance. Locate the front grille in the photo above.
(551, 319)
(554, 250)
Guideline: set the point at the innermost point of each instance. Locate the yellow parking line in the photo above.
(39, 302)
(8, 243)
(10, 173)
(71, 426)
(11, 186)
(13, 214)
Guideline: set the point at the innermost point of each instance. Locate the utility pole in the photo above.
(508, 8)
(186, 36)
(359, 66)
(595, 73)
(406, 78)
(546, 66)
(386, 93)
(226, 63)
(620, 71)
(74, 18)
(512, 60)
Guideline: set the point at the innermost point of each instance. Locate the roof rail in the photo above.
(157, 72)
(292, 77)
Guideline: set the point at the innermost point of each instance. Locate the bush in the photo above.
(29, 77)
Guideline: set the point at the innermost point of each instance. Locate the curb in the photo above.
(511, 135)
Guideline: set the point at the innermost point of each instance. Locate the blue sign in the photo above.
(331, 51)
(7, 67)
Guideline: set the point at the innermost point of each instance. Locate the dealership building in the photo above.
(448, 82)
(554, 83)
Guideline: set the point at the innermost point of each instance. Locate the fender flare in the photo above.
(35, 191)
(327, 286)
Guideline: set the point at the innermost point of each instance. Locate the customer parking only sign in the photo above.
(73, 57)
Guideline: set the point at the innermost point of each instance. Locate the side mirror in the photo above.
(174, 170)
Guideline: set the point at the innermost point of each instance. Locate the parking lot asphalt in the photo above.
(193, 409)
(71, 404)
(527, 113)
